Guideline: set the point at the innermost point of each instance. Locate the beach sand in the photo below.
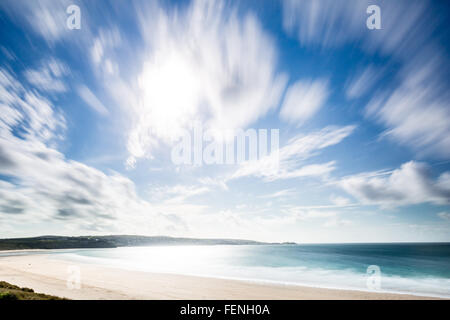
(49, 275)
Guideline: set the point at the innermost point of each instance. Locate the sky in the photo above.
(90, 118)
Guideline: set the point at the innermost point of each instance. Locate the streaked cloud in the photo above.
(416, 113)
(49, 77)
(102, 51)
(289, 162)
(332, 23)
(362, 82)
(328, 218)
(29, 110)
(412, 183)
(303, 99)
(340, 201)
(326, 23)
(280, 194)
(44, 17)
(91, 100)
(337, 222)
(177, 193)
(444, 215)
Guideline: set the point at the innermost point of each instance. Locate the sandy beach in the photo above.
(45, 274)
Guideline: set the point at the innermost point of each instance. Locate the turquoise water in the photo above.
(422, 269)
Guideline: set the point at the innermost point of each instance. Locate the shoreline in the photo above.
(45, 274)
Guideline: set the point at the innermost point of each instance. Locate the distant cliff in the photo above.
(113, 241)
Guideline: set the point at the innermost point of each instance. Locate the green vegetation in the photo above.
(56, 242)
(11, 292)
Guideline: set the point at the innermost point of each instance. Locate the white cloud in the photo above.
(331, 218)
(326, 22)
(44, 17)
(312, 170)
(337, 222)
(280, 194)
(289, 161)
(203, 63)
(10, 55)
(362, 82)
(45, 187)
(102, 51)
(91, 100)
(215, 182)
(30, 110)
(48, 20)
(410, 184)
(97, 51)
(177, 193)
(400, 33)
(330, 23)
(303, 99)
(340, 201)
(312, 214)
(444, 215)
(49, 76)
(416, 113)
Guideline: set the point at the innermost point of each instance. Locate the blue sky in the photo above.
(89, 118)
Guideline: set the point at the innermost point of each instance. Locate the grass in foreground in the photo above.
(11, 292)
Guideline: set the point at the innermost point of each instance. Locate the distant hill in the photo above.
(113, 241)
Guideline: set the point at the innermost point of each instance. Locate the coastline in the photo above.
(45, 274)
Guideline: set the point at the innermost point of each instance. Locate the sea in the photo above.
(406, 268)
